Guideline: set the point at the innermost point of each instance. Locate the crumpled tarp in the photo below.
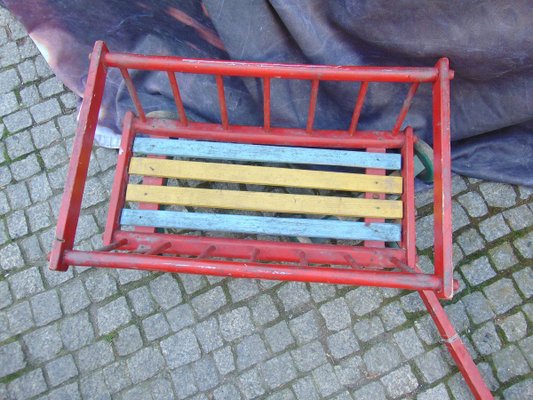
(489, 44)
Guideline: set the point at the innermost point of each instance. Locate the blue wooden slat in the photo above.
(262, 153)
(317, 228)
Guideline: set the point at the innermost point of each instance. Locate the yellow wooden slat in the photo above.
(266, 202)
(270, 176)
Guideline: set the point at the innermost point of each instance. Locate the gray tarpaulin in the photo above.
(489, 44)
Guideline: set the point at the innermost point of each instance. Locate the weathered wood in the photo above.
(262, 225)
(262, 153)
(269, 176)
(266, 202)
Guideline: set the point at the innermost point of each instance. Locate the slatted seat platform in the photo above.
(268, 202)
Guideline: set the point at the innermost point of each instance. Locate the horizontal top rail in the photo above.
(270, 70)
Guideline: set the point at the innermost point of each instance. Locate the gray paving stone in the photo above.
(400, 382)
(73, 297)
(144, 364)
(27, 71)
(460, 218)
(28, 385)
(11, 257)
(5, 295)
(486, 339)
(392, 315)
(180, 317)
(116, 376)
(326, 380)
(11, 359)
(305, 388)
(503, 256)
(502, 295)
(67, 125)
(25, 168)
(477, 307)
(524, 280)
(19, 318)
(94, 356)
(519, 218)
(322, 291)
(192, 283)
(19, 145)
(432, 365)
(29, 96)
(226, 392)
(364, 300)
(184, 382)
(205, 373)
(474, 204)
(141, 301)
(305, 327)
(93, 387)
(76, 331)
(4, 205)
(478, 271)
(43, 344)
(67, 392)
(26, 283)
(46, 110)
(278, 371)
(45, 307)
(155, 327)
(372, 391)
(236, 323)
(126, 276)
(180, 349)
(309, 356)
(9, 80)
(342, 344)
(100, 285)
(17, 121)
(368, 328)
(39, 217)
(470, 241)
(224, 360)
(113, 315)
(251, 384)
(426, 330)
(293, 295)
(285, 394)
(16, 224)
(5, 174)
(242, 289)
(50, 87)
(409, 343)
(519, 391)
(279, 337)
(263, 309)
(524, 245)
(350, 372)
(526, 345)
(128, 340)
(39, 188)
(494, 227)
(56, 155)
(250, 351)
(498, 194)
(165, 291)
(514, 327)
(8, 103)
(161, 388)
(510, 363)
(436, 392)
(459, 388)
(208, 335)
(424, 229)
(336, 314)
(382, 357)
(60, 370)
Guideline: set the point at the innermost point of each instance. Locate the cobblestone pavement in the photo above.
(97, 334)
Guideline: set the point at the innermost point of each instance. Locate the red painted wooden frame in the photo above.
(363, 266)
(369, 264)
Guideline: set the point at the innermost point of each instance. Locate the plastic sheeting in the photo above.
(489, 44)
